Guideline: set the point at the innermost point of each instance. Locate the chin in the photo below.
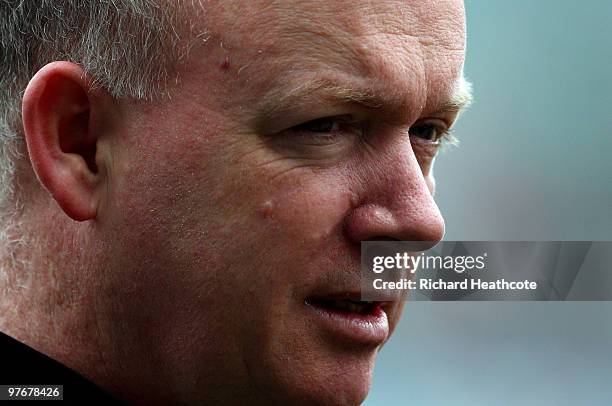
(321, 376)
(343, 387)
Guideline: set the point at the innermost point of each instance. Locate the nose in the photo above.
(394, 200)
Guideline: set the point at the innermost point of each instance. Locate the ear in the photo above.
(57, 111)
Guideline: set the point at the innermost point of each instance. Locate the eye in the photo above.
(430, 132)
(327, 129)
(320, 125)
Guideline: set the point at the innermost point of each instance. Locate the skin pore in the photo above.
(298, 130)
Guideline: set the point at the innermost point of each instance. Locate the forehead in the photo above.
(410, 51)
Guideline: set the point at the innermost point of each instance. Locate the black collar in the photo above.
(22, 365)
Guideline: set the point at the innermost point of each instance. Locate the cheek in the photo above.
(161, 209)
(307, 208)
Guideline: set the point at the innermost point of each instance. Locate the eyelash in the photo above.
(345, 124)
(339, 125)
(443, 135)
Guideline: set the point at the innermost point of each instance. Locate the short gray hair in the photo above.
(128, 47)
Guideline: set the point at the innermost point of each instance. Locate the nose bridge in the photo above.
(406, 184)
(394, 178)
(394, 199)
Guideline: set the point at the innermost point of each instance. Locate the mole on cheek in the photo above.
(266, 209)
(353, 199)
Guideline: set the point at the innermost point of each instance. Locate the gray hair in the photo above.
(128, 47)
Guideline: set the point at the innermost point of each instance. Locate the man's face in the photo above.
(236, 209)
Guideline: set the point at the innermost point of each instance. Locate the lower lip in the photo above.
(371, 329)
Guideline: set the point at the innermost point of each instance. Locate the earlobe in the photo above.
(56, 111)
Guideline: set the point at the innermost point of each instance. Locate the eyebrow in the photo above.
(460, 99)
(277, 100)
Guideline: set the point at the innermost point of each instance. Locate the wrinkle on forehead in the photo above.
(415, 47)
(287, 23)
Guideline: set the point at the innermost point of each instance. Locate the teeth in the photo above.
(347, 306)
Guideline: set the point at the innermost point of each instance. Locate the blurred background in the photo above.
(534, 163)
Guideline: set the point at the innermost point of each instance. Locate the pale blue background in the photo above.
(535, 163)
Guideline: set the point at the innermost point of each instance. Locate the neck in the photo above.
(44, 291)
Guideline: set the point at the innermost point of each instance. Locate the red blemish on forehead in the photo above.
(225, 65)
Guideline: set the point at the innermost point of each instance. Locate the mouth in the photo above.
(348, 319)
(348, 306)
